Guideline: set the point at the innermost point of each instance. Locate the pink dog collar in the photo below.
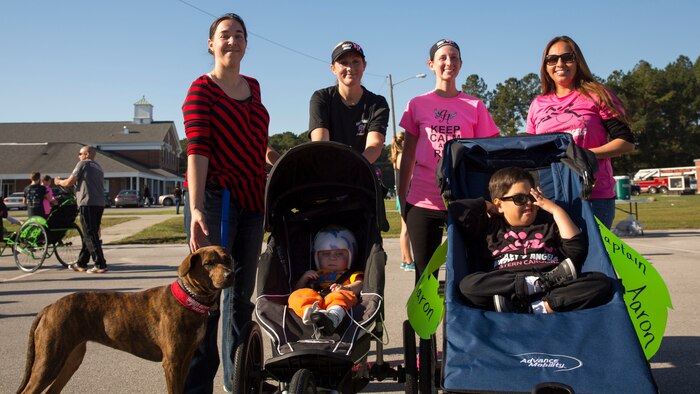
(186, 300)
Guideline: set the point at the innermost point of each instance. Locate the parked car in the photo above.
(15, 201)
(166, 200)
(128, 198)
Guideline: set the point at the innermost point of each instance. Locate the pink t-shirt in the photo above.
(435, 120)
(577, 115)
(47, 204)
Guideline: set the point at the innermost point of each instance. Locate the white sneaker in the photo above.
(306, 318)
(327, 320)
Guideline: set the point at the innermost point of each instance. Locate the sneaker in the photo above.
(97, 270)
(504, 304)
(323, 322)
(563, 272)
(77, 268)
(409, 267)
(306, 318)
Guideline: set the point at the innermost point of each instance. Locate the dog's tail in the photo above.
(30, 353)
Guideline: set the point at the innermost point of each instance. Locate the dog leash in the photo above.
(225, 202)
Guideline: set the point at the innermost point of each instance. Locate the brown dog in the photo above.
(164, 323)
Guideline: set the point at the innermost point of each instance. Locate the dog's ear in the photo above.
(188, 262)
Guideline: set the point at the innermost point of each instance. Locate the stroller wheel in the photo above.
(302, 383)
(552, 388)
(409, 357)
(248, 361)
(426, 370)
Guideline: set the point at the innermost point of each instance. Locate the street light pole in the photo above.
(391, 98)
(393, 114)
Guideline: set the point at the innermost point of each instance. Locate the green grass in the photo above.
(167, 232)
(665, 213)
(141, 212)
(106, 222)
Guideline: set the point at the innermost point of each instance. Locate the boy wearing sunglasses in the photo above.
(531, 251)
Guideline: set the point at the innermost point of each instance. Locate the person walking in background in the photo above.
(34, 196)
(430, 120)
(89, 178)
(5, 214)
(347, 112)
(573, 102)
(50, 200)
(407, 263)
(146, 196)
(226, 126)
(177, 192)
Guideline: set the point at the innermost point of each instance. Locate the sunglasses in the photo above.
(519, 199)
(567, 58)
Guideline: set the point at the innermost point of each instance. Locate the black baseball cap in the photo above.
(441, 43)
(345, 47)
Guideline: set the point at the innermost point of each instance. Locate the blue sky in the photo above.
(87, 60)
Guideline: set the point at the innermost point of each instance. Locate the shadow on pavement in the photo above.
(682, 375)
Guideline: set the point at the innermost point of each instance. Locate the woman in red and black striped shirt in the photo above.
(227, 132)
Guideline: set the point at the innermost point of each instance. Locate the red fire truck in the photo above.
(677, 180)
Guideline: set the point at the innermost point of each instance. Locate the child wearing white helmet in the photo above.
(334, 249)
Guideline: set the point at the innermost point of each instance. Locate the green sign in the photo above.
(646, 294)
(425, 306)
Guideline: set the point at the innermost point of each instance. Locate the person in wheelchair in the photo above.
(532, 254)
(322, 297)
(5, 214)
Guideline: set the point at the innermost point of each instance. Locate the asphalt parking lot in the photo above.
(136, 267)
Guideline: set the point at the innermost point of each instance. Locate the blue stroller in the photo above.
(588, 351)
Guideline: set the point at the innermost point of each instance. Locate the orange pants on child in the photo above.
(303, 298)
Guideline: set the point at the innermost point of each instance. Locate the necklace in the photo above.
(348, 101)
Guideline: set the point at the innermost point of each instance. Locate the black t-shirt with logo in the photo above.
(35, 200)
(348, 124)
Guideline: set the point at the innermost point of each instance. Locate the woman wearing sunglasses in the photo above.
(533, 251)
(573, 102)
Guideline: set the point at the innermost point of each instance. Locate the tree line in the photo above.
(661, 105)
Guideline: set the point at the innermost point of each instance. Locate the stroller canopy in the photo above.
(314, 171)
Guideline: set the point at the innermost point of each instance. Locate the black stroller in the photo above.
(311, 186)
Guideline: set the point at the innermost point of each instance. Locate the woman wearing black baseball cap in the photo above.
(347, 112)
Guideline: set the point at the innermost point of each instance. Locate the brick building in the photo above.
(132, 154)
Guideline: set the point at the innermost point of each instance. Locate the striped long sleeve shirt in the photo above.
(233, 135)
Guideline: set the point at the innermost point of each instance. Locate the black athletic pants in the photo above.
(589, 290)
(90, 219)
(425, 228)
